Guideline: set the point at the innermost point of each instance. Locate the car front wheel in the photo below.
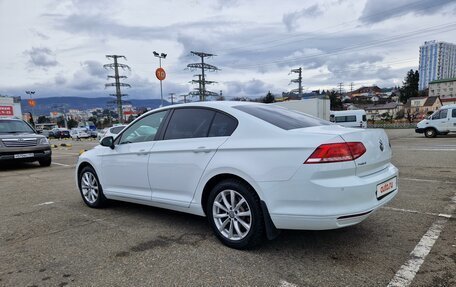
(430, 133)
(45, 162)
(234, 212)
(90, 188)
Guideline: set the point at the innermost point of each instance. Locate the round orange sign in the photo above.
(160, 74)
(31, 103)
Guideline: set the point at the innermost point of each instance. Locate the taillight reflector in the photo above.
(337, 152)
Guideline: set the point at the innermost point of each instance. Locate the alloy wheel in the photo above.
(89, 186)
(232, 215)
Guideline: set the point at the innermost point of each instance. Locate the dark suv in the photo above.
(20, 142)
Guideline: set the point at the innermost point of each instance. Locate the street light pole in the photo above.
(30, 93)
(160, 57)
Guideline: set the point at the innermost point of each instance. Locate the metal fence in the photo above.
(392, 125)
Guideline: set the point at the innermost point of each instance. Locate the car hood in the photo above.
(20, 135)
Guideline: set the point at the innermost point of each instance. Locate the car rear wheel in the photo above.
(45, 162)
(234, 212)
(90, 188)
(430, 133)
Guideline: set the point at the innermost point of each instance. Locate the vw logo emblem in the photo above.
(381, 144)
(21, 140)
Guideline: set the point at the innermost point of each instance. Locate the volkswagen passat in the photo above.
(251, 169)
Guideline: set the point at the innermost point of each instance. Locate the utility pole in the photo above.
(31, 103)
(115, 66)
(298, 80)
(340, 88)
(351, 86)
(185, 97)
(171, 95)
(199, 91)
(202, 78)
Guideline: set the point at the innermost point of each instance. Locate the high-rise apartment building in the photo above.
(437, 62)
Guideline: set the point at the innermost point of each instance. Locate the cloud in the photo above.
(41, 57)
(291, 19)
(378, 11)
(252, 89)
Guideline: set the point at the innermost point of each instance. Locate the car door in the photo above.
(452, 120)
(124, 168)
(439, 120)
(177, 162)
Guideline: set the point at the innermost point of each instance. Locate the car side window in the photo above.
(143, 130)
(443, 114)
(117, 130)
(189, 123)
(436, 116)
(222, 126)
(453, 113)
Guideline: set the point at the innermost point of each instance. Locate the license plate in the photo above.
(386, 187)
(24, 155)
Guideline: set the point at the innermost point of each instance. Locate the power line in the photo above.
(115, 66)
(343, 24)
(358, 46)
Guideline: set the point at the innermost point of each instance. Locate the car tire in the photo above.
(45, 162)
(241, 226)
(90, 188)
(430, 133)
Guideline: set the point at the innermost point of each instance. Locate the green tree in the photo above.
(335, 102)
(93, 120)
(72, 124)
(409, 86)
(269, 98)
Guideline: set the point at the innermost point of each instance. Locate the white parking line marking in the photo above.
(416, 211)
(426, 180)
(45, 203)
(61, 164)
(284, 283)
(405, 275)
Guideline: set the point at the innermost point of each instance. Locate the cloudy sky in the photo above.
(58, 47)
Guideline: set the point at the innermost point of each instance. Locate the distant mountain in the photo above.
(45, 105)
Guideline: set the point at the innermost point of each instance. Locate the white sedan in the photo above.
(251, 169)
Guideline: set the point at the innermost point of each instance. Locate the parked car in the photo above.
(93, 134)
(78, 134)
(441, 122)
(251, 168)
(59, 133)
(111, 132)
(20, 142)
(349, 118)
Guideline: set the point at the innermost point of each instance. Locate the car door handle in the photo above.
(201, 149)
(142, 152)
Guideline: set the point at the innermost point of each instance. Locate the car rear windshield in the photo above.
(281, 117)
(9, 126)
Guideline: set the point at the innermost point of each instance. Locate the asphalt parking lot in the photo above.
(48, 237)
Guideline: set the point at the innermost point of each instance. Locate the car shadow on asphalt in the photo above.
(288, 240)
(14, 166)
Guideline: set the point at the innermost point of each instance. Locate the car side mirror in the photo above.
(108, 142)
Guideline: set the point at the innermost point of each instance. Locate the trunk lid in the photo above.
(378, 151)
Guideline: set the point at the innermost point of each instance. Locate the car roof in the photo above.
(222, 105)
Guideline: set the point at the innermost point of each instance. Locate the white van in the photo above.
(350, 118)
(441, 122)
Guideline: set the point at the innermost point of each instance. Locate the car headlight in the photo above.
(43, 141)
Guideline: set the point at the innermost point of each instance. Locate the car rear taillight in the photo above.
(337, 152)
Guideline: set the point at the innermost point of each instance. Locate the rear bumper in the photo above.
(419, 130)
(39, 152)
(319, 204)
